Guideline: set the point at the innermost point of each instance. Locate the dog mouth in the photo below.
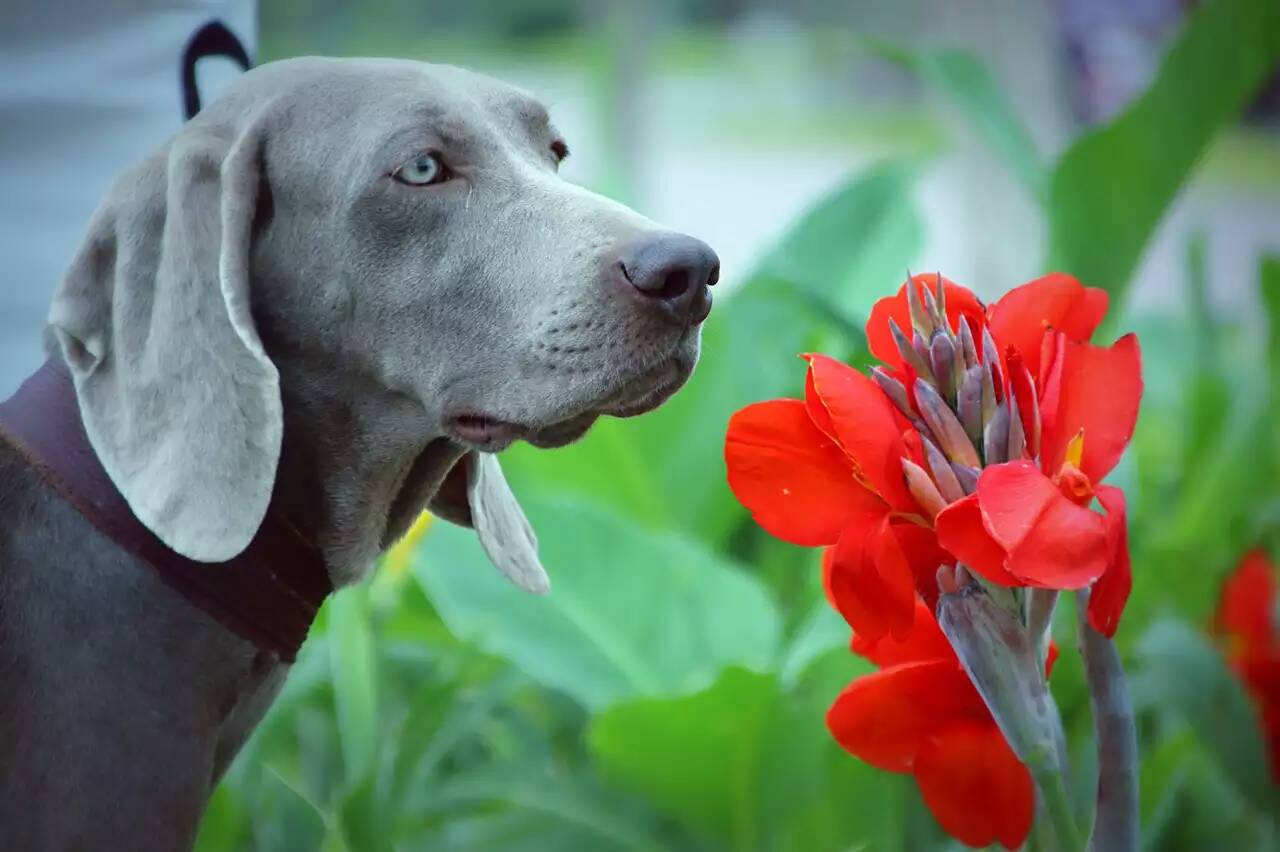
(488, 433)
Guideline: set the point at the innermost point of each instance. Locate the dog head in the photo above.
(404, 222)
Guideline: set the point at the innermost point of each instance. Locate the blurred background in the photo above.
(669, 694)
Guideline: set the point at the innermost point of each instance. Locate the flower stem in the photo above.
(1115, 827)
(1057, 807)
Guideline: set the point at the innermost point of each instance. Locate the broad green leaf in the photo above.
(968, 85)
(286, 820)
(752, 767)
(564, 805)
(812, 290)
(733, 760)
(1111, 188)
(1180, 679)
(630, 612)
(821, 631)
(1163, 777)
(352, 666)
(853, 245)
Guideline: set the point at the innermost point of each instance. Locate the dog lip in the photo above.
(482, 432)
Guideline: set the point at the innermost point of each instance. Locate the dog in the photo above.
(319, 309)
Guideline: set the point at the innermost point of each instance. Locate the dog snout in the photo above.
(672, 272)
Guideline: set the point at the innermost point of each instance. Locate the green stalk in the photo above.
(1115, 825)
(1057, 807)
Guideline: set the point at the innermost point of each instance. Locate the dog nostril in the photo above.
(675, 285)
(626, 273)
(714, 277)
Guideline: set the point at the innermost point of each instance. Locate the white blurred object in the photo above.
(87, 90)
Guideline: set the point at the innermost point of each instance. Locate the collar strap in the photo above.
(268, 594)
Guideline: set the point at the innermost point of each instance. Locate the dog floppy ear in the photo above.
(180, 401)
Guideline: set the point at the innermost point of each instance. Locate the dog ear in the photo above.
(180, 401)
(504, 532)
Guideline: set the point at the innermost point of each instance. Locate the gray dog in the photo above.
(329, 299)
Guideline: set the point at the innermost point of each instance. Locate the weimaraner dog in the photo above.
(317, 310)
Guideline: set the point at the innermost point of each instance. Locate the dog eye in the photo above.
(559, 150)
(423, 170)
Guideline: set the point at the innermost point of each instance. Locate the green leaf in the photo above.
(630, 612)
(754, 768)
(286, 820)
(733, 760)
(853, 245)
(1111, 188)
(967, 84)
(225, 823)
(352, 667)
(599, 818)
(1180, 679)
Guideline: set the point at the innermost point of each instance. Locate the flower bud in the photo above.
(967, 345)
(989, 398)
(995, 440)
(942, 358)
(944, 425)
(921, 320)
(923, 489)
(907, 351)
(893, 389)
(969, 403)
(943, 476)
(1017, 437)
(966, 476)
(937, 307)
(991, 357)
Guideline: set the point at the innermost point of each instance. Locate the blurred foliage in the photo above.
(669, 693)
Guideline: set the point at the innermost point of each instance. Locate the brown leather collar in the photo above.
(269, 594)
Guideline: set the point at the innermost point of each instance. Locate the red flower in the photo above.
(920, 714)
(1031, 525)
(827, 471)
(1246, 622)
(871, 466)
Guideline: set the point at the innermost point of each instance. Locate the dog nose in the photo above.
(673, 272)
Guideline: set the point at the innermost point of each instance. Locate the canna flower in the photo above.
(983, 438)
(1029, 523)
(1248, 624)
(920, 714)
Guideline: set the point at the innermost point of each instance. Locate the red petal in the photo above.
(870, 580)
(926, 641)
(960, 302)
(1021, 316)
(1050, 541)
(924, 556)
(1111, 592)
(884, 718)
(1097, 389)
(962, 534)
(862, 420)
(1245, 611)
(974, 785)
(795, 481)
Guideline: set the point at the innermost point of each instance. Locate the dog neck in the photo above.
(356, 468)
(268, 594)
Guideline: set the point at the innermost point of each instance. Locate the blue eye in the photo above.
(423, 170)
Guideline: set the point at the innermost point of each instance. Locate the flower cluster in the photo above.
(980, 441)
(1248, 623)
(983, 439)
